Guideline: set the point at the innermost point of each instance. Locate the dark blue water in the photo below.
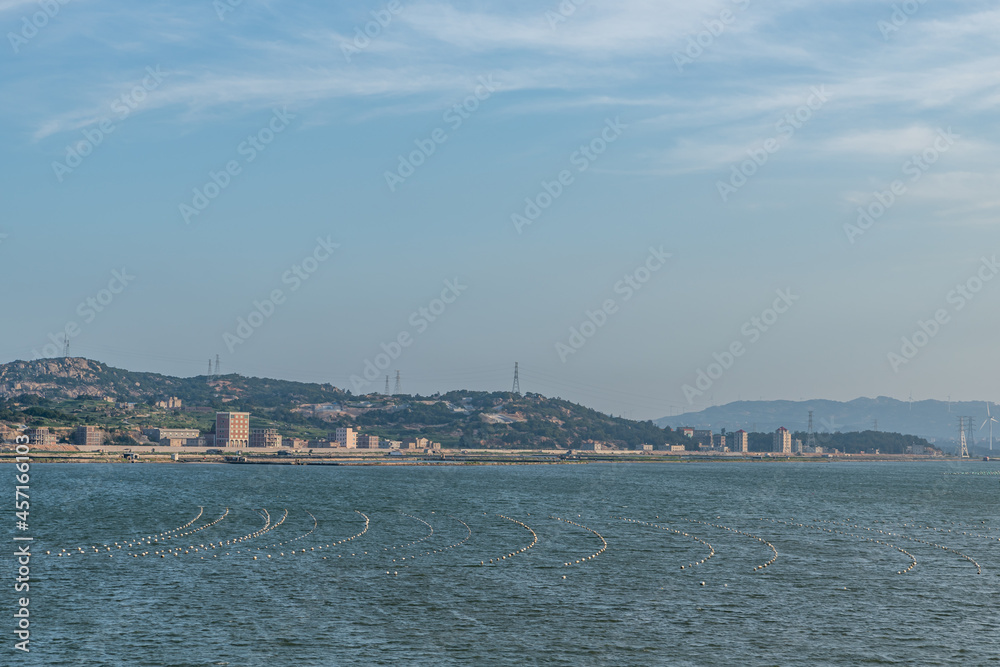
(410, 588)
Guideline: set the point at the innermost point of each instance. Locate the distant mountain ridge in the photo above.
(934, 420)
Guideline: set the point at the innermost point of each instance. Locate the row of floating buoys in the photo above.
(766, 543)
(430, 532)
(232, 542)
(711, 549)
(604, 542)
(130, 543)
(942, 530)
(913, 559)
(520, 551)
(331, 544)
(185, 534)
(296, 539)
(979, 569)
(468, 534)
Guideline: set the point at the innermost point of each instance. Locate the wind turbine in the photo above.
(989, 419)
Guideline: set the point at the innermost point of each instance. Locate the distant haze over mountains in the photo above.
(934, 420)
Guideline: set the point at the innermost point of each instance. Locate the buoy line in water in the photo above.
(345, 540)
(128, 544)
(468, 534)
(979, 569)
(232, 542)
(410, 544)
(921, 526)
(176, 551)
(191, 532)
(758, 568)
(832, 531)
(604, 542)
(675, 531)
(296, 539)
(534, 541)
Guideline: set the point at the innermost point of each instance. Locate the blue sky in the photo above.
(739, 138)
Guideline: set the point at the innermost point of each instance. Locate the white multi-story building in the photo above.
(782, 441)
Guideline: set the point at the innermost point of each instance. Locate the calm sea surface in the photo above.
(410, 589)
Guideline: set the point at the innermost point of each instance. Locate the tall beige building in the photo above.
(782, 441)
(347, 438)
(741, 442)
(232, 429)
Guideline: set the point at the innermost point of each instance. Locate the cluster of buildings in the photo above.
(83, 435)
(232, 431)
(739, 441)
(172, 403)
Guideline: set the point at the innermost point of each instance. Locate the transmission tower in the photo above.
(216, 364)
(970, 426)
(811, 434)
(386, 385)
(209, 376)
(517, 383)
(66, 345)
(963, 446)
(399, 387)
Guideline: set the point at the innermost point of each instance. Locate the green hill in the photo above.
(71, 391)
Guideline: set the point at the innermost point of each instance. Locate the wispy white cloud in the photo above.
(11, 5)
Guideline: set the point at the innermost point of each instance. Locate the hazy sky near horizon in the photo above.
(616, 195)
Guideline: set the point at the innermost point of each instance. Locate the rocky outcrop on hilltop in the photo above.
(53, 378)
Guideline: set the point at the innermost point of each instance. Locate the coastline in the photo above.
(185, 455)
